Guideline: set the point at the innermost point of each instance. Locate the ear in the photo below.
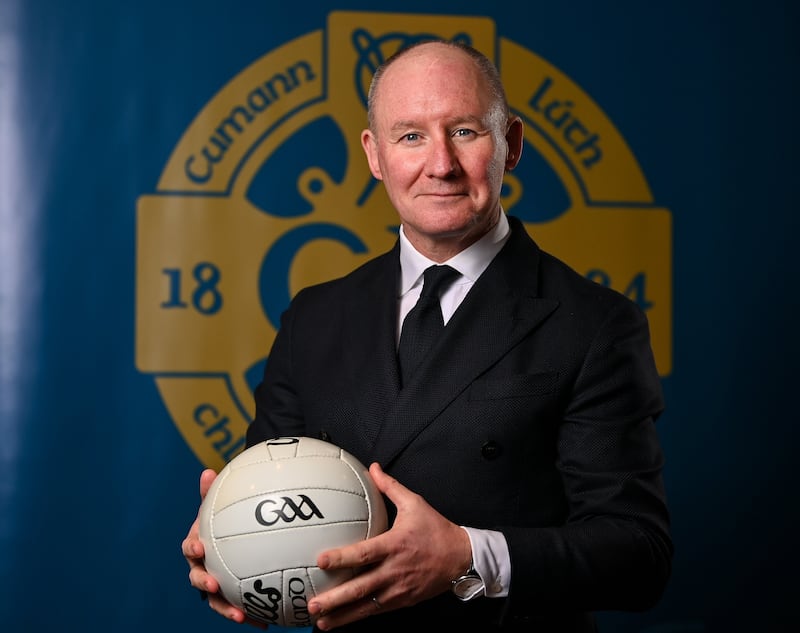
(514, 138)
(370, 145)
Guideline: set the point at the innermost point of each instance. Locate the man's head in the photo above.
(440, 138)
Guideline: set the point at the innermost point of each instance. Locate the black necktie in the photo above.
(424, 323)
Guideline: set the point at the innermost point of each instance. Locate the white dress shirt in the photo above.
(489, 548)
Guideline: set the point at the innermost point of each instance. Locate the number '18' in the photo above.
(205, 297)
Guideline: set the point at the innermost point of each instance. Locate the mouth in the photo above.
(444, 195)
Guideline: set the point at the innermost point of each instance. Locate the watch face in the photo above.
(468, 587)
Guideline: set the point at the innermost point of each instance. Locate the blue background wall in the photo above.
(97, 487)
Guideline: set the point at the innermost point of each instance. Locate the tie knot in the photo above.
(436, 279)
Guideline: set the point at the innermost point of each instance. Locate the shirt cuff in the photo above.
(491, 560)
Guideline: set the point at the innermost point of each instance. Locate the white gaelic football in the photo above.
(272, 510)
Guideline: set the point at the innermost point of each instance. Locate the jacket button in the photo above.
(491, 450)
(323, 435)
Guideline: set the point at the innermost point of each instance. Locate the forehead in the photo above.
(429, 79)
(428, 61)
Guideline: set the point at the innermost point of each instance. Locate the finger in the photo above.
(358, 611)
(227, 610)
(207, 478)
(209, 588)
(361, 554)
(191, 546)
(200, 579)
(346, 599)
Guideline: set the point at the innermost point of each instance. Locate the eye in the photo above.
(411, 137)
(463, 132)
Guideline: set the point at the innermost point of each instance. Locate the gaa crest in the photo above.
(268, 191)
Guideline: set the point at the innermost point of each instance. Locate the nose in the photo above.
(442, 160)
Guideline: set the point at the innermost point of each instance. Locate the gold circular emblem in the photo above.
(268, 191)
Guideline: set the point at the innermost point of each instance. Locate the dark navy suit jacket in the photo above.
(533, 415)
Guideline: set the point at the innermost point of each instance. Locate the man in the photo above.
(530, 422)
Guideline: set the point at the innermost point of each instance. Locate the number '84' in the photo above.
(635, 290)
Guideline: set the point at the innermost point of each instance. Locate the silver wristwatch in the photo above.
(469, 585)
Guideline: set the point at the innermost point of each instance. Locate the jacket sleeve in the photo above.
(614, 551)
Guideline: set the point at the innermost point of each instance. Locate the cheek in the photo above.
(495, 169)
(399, 175)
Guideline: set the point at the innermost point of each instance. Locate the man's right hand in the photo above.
(199, 578)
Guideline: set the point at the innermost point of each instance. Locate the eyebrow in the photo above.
(455, 122)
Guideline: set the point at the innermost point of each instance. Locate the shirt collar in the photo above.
(470, 262)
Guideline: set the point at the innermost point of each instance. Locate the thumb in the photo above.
(387, 484)
(207, 478)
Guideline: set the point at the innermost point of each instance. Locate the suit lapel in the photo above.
(498, 312)
(369, 340)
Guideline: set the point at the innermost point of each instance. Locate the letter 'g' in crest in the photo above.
(268, 191)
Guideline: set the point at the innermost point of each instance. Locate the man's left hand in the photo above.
(414, 560)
